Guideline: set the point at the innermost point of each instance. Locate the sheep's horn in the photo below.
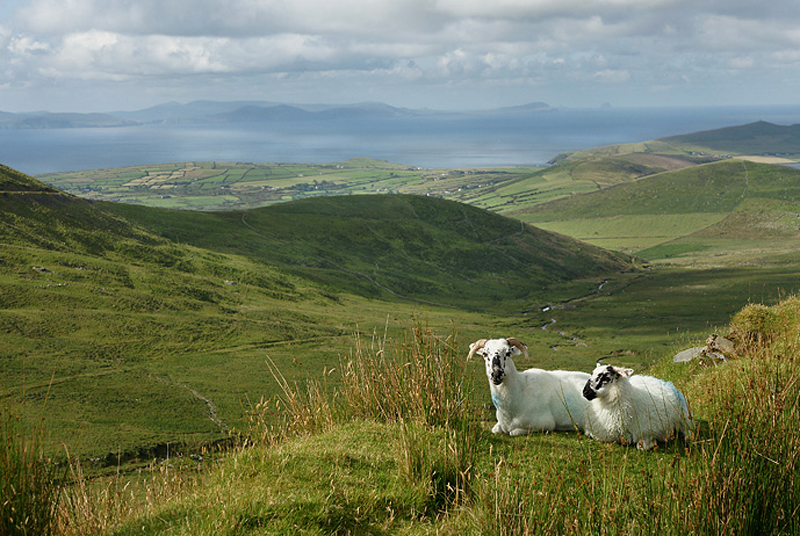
(518, 344)
(474, 347)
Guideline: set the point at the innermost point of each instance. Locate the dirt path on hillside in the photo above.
(212, 408)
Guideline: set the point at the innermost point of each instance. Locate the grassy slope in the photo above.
(124, 310)
(106, 324)
(429, 251)
(123, 288)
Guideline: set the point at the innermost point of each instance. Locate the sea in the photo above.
(435, 140)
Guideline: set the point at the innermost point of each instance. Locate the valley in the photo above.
(182, 307)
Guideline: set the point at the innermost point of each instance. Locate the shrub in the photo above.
(754, 322)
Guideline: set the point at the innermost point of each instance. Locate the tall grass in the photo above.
(583, 487)
(100, 506)
(29, 481)
(423, 380)
(749, 470)
(419, 383)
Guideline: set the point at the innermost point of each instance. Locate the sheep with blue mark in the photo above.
(633, 409)
(533, 400)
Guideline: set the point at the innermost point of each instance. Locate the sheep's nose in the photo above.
(497, 371)
(588, 392)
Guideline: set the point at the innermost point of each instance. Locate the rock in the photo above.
(717, 349)
(711, 358)
(687, 355)
(721, 345)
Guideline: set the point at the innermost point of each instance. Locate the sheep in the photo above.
(532, 400)
(633, 409)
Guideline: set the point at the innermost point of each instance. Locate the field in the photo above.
(238, 185)
(155, 329)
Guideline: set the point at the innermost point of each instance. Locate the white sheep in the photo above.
(532, 400)
(633, 409)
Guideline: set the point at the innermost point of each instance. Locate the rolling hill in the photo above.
(426, 250)
(753, 139)
(133, 327)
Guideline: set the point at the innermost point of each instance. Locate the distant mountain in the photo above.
(526, 108)
(60, 120)
(254, 114)
(236, 112)
(171, 111)
(757, 138)
(268, 112)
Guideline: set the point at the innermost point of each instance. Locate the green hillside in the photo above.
(682, 212)
(132, 328)
(106, 325)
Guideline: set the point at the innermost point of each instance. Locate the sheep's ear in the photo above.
(626, 372)
(475, 347)
(519, 345)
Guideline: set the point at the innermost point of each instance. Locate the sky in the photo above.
(110, 55)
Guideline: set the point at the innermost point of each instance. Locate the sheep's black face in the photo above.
(497, 370)
(601, 377)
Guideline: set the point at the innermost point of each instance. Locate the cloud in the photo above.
(632, 45)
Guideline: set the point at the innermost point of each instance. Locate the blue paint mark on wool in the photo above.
(679, 396)
(494, 401)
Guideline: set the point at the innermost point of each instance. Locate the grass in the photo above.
(633, 233)
(144, 315)
(148, 317)
(147, 336)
